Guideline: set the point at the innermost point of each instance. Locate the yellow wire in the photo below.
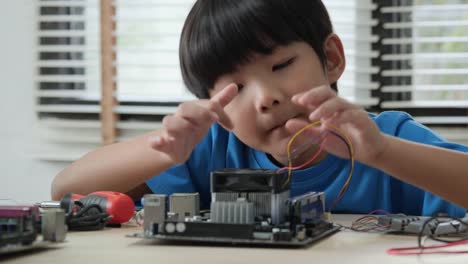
(350, 175)
(289, 148)
(297, 134)
(342, 133)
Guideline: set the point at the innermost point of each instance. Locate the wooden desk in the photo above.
(112, 246)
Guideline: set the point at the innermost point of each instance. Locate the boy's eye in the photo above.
(283, 65)
(239, 87)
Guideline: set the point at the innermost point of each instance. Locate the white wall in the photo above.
(22, 177)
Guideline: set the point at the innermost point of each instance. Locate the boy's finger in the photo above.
(225, 96)
(329, 108)
(220, 100)
(165, 145)
(159, 143)
(223, 118)
(197, 114)
(313, 97)
(293, 125)
(155, 142)
(355, 117)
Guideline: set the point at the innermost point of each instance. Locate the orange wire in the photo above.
(322, 146)
(348, 143)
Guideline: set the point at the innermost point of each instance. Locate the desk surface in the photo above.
(112, 246)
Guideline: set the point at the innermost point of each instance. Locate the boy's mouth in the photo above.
(282, 123)
(276, 127)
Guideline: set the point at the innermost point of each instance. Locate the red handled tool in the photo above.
(119, 206)
(95, 210)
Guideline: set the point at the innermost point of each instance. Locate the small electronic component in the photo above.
(154, 212)
(414, 225)
(306, 208)
(53, 227)
(18, 224)
(184, 205)
(396, 222)
(247, 207)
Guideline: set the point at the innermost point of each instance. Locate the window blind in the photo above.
(406, 54)
(423, 49)
(352, 21)
(68, 78)
(148, 80)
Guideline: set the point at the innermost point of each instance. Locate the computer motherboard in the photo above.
(248, 207)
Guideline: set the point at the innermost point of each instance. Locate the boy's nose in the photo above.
(267, 104)
(268, 98)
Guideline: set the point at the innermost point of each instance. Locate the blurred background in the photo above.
(77, 74)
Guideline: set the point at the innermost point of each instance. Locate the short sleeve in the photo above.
(193, 175)
(414, 131)
(175, 179)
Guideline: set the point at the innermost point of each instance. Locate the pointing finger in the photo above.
(222, 118)
(225, 96)
(314, 97)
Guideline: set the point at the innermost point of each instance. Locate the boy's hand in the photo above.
(186, 128)
(326, 106)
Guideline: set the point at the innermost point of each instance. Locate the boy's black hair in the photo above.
(220, 35)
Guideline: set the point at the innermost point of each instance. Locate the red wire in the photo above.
(306, 163)
(378, 211)
(405, 251)
(370, 228)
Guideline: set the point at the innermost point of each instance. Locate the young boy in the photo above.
(263, 70)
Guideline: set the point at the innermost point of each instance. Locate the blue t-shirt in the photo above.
(369, 189)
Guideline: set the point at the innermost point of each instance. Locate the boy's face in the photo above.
(266, 85)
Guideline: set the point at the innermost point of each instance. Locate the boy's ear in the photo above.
(335, 58)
